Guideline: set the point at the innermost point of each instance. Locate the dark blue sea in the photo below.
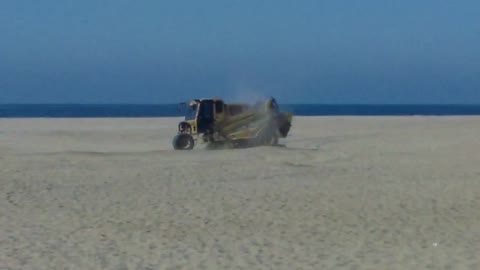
(169, 110)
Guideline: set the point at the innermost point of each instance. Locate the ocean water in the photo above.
(170, 110)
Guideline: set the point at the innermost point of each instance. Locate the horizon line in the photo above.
(300, 103)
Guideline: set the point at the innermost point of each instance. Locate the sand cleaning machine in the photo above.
(217, 123)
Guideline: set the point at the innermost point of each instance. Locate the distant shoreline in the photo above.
(170, 110)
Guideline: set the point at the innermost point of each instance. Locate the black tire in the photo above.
(284, 125)
(183, 142)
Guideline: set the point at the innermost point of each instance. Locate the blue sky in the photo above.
(338, 51)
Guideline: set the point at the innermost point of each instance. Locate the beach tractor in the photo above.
(217, 123)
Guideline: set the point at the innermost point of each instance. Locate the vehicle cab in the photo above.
(200, 114)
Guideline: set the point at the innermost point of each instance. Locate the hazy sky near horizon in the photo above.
(337, 51)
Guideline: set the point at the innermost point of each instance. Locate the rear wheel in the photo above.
(183, 142)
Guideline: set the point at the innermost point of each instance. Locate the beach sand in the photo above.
(339, 193)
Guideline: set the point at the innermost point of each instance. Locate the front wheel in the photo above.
(183, 142)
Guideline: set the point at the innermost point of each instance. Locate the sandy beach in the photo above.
(338, 193)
